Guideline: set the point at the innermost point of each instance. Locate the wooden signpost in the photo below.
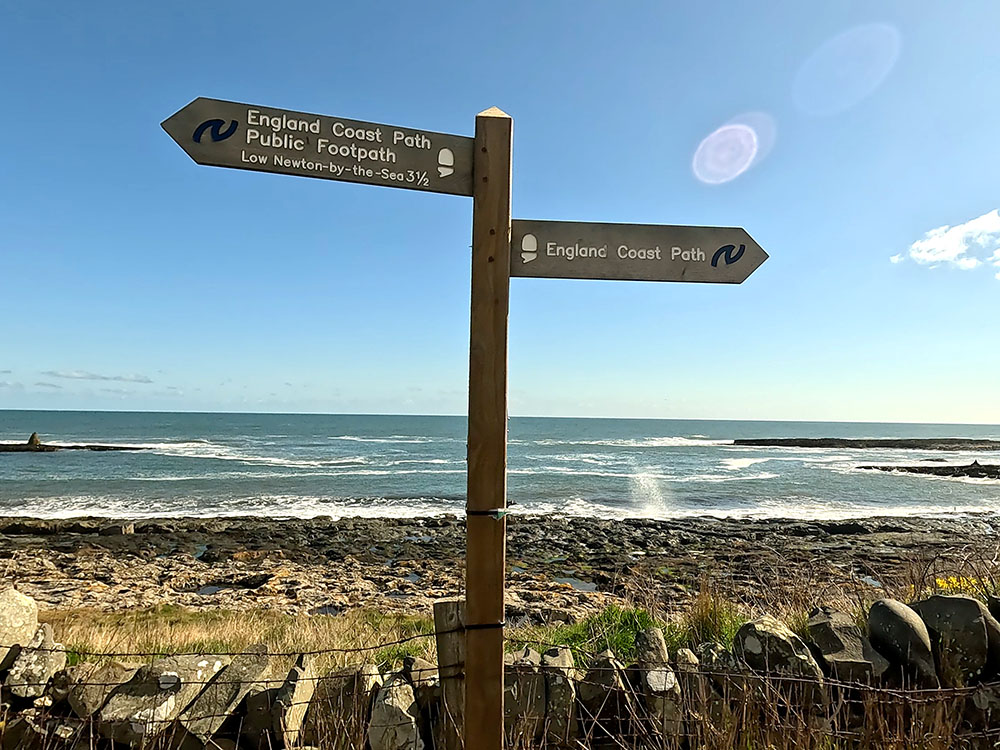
(242, 136)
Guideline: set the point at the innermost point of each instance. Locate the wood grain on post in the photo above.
(449, 619)
(487, 448)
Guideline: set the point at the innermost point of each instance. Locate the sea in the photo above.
(304, 465)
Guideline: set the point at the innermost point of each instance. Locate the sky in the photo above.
(856, 142)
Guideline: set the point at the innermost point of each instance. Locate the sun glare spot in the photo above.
(725, 154)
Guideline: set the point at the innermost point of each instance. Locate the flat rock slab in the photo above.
(92, 684)
(208, 712)
(18, 623)
(844, 650)
(155, 696)
(394, 717)
(37, 663)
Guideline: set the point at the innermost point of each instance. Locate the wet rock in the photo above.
(899, 634)
(658, 688)
(92, 685)
(560, 673)
(34, 440)
(36, 664)
(203, 718)
(844, 650)
(965, 638)
(142, 708)
(524, 696)
(338, 713)
(18, 623)
(394, 717)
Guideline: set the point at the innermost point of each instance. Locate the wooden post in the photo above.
(485, 557)
(449, 619)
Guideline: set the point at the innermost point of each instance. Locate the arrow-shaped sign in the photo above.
(635, 252)
(244, 136)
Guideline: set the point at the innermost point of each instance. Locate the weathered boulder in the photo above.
(844, 650)
(726, 674)
(770, 647)
(155, 696)
(394, 717)
(423, 677)
(338, 713)
(18, 623)
(34, 440)
(524, 696)
(560, 674)
(36, 664)
(658, 687)
(899, 634)
(604, 696)
(965, 638)
(206, 714)
(92, 684)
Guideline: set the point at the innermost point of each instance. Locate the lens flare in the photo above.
(846, 69)
(725, 154)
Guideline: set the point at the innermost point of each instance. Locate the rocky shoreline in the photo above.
(925, 444)
(558, 568)
(975, 470)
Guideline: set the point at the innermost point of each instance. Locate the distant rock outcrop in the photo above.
(35, 445)
(975, 470)
(926, 444)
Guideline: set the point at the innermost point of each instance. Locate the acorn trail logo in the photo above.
(529, 248)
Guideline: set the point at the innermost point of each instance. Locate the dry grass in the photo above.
(349, 638)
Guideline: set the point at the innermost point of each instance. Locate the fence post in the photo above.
(486, 526)
(449, 619)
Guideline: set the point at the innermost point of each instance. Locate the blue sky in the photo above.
(131, 278)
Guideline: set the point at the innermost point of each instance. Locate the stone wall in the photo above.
(260, 700)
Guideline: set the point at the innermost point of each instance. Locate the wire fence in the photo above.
(654, 704)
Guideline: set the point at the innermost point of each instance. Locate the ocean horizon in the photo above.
(207, 464)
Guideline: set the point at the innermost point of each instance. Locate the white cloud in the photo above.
(998, 276)
(964, 246)
(994, 259)
(897, 258)
(83, 375)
